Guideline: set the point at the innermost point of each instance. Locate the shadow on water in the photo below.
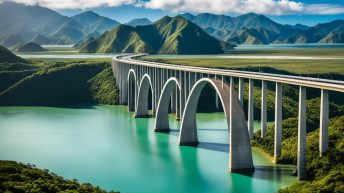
(75, 106)
(269, 172)
(222, 147)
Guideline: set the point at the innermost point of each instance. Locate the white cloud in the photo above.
(76, 4)
(271, 7)
(324, 9)
(228, 6)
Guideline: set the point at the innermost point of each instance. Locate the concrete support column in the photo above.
(173, 101)
(154, 87)
(186, 86)
(263, 110)
(240, 153)
(123, 84)
(216, 98)
(301, 141)
(323, 141)
(181, 94)
(154, 104)
(250, 108)
(241, 91)
(278, 121)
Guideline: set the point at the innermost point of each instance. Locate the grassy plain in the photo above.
(296, 60)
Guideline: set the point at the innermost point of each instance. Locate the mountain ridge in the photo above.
(169, 35)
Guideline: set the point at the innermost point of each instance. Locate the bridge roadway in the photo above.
(318, 83)
(177, 88)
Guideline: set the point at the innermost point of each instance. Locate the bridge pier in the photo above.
(301, 145)
(323, 141)
(240, 153)
(181, 94)
(250, 108)
(278, 121)
(241, 91)
(263, 127)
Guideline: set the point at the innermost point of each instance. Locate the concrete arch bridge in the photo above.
(177, 89)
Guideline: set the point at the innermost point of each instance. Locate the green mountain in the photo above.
(9, 57)
(94, 23)
(257, 29)
(168, 35)
(30, 47)
(16, 18)
(43, 25)
(139, 22)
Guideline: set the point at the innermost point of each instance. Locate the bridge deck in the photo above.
(319, 83)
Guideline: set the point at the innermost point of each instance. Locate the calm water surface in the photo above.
(105, 146)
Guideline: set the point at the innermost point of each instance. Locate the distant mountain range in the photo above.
(139, 22)
(257, 29)
(45, 26)
(168, 35)
(21, 24)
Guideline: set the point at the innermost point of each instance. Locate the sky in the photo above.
(308, 12)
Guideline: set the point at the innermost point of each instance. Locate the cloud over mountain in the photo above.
(271, 7)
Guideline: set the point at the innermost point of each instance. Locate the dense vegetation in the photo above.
(59, 83)
(18, 177)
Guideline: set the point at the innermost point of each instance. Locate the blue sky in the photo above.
(309, 12)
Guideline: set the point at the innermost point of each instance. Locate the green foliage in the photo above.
(60, 83)
(103, 87)
(325, 173)
(8, 78)
(17, 177)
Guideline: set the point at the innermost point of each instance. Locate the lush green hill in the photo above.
(18, 177)
(7, 56)
(60, 84)
(30, 47)
(168, 35)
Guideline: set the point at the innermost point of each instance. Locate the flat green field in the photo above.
(312, 66)
(311, 60)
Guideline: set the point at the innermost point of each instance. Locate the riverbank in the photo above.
(19, 177)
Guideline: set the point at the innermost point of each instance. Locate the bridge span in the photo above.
(177, 89)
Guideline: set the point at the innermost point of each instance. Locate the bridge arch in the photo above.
(161, 120)
(240, 154)
(132, 90)
(143, 97)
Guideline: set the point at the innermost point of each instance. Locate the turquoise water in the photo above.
(105, 146)
(289, 46)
